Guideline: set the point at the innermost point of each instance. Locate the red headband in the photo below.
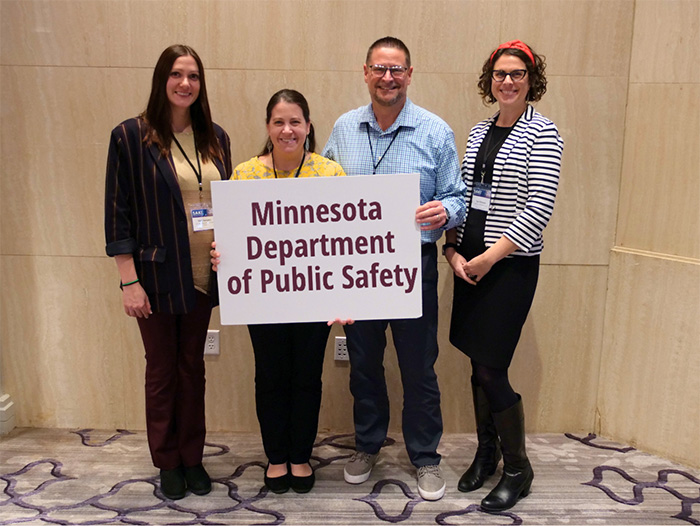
(515, 44)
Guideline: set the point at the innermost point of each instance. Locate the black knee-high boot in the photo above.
(488, 451)
(517, 471)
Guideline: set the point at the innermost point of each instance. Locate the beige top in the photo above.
(200, 242)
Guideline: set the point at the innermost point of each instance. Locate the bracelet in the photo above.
(121, 285)
(449, 245)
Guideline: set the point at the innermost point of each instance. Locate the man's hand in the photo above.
(431, 216)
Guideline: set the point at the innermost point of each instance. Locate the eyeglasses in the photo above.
(397, 72)
(517, 74)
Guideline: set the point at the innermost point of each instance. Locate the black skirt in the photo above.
(487, 319)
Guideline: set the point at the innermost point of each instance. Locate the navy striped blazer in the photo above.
(145, 215)
(525, 181)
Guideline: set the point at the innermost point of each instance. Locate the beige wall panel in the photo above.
(660, 188)
(235, 34)
(591, 38)
(441, 35)
(67, 107)
(139, 31)
(68, 357)
(555, 367)
(55, 204)
(558, 359)
(336, 403)
(59, 180)
(230, 395)
(666, 40)
(650, 374)
(45, 32)
(589, 113)
(452, 97)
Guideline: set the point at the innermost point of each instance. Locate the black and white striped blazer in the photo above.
(525, 180)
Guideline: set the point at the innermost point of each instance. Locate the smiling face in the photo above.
(182, 87)
(387, 91)
(509, 94)
(287, 128)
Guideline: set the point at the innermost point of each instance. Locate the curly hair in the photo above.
(535, 72)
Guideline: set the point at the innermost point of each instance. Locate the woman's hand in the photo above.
(341, 322)
(457, 262)
(215, 257)
(479, 266)
(476, 268)
(136, 302)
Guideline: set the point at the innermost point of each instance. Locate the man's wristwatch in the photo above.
(448, 245)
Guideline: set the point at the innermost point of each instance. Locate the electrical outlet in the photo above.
(341, 349)
(212, 344)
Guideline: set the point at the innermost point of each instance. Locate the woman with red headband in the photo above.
(511, 169)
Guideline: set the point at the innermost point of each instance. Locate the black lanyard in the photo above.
(488, 151)
(371, 150)
(303, 158)
(197, 173)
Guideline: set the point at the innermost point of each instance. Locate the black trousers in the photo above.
(288, 368)
(417, 350)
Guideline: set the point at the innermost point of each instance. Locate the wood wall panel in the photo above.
(660, 188)
(666, 40)
(579, 39)
(650, 372)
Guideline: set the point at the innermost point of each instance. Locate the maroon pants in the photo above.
(175, 381)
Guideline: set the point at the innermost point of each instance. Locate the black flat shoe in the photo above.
(198, 481)
(277, 485)
(172, 483)
(302, 484)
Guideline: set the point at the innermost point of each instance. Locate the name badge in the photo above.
(202, 215)
(481, 197)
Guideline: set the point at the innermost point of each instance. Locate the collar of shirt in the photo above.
(407, 118)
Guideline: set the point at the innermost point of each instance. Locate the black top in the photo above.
(473, 237)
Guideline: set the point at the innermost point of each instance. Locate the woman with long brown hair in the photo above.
(158, 227)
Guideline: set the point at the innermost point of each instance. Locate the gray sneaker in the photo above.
(359, 467)
(431, 485)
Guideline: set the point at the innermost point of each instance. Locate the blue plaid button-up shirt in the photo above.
(417, 142)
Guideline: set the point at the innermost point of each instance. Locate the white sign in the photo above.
(318, 248)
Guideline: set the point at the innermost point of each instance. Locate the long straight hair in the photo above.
(158, 114)
(292, 97)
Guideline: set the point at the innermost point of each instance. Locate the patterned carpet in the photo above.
(53, 476)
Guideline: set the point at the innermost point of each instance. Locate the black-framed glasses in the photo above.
(397, 72)
(517, 74)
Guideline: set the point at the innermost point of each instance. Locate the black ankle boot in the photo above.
(517, 471)
(172, 483)
(198, 480)
(488, 452)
